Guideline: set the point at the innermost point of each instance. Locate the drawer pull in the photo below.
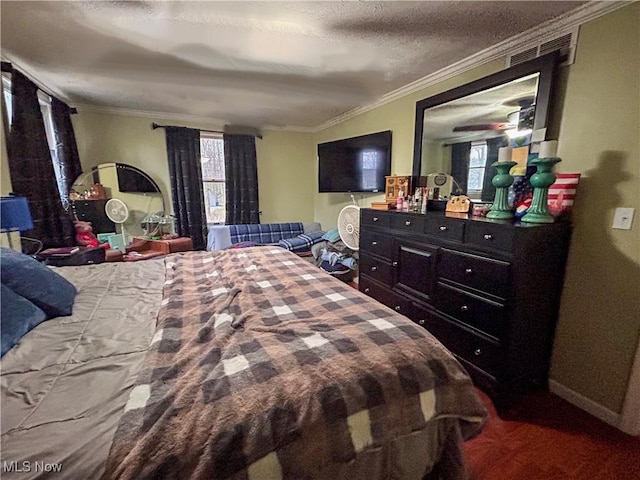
(374, 243)
(443, 228)
(375, 219)
(407, 223)
(394, 264)
(366, 290)
(468, 271)
(373, 269)
(464, 308)
(422, 321)
(397, 309)
(477, 352)
(488, 236)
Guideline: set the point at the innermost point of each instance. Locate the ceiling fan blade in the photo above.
(482, 126)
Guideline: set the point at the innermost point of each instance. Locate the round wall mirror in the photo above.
(121, 199)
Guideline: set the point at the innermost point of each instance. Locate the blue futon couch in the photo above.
(297, 237)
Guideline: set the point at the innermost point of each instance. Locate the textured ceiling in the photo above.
(251, 63)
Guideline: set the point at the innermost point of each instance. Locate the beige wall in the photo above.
(600, 137)
(285, 171)
(597, 115)
(5, 178)
(286, 176)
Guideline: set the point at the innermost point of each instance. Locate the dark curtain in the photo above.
(460, 153)
(241, 179)
(32, 172)
(66, 151)
(183, 152)
(488, 190)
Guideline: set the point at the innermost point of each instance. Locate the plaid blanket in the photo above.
(301, 243)
(263, 366)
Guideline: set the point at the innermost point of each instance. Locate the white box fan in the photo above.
(118, 212)
(349, 226)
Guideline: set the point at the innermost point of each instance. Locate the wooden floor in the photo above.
(547, 438)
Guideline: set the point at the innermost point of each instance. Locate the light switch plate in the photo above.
(623, 218)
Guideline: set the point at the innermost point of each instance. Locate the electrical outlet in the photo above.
(623, 218)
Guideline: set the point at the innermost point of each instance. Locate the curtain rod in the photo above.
(229, 131)
(154, 125)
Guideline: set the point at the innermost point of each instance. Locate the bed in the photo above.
(235, 364)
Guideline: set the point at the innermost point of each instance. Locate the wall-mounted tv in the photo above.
(357, 164)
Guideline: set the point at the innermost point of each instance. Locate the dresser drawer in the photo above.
(445, 228)
(484, 274)
(487, 235)
(375, 218)
(477, 350)
(381, 293)
(477, 312)
(407, 223)
(373, 242)
(379, 270)
(413, 310)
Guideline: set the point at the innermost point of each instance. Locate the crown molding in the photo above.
(31, 74)
(130, 112)
(566, 22)
(214, 123)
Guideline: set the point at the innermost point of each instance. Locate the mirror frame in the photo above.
(96, 170)
(544, 65)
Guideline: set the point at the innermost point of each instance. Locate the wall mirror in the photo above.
(458, 132)
(143, 215)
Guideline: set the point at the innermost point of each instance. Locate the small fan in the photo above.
(117, 211)
(349, 226)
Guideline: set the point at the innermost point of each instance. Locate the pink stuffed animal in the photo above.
(84, 234)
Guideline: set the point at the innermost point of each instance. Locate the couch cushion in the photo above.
(37, 283)
(18, 316)
(302, 242)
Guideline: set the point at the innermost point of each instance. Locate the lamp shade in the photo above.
(14, 214)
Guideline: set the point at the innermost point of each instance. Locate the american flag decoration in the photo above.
(562, 193)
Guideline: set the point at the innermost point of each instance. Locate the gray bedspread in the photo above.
(65, 385)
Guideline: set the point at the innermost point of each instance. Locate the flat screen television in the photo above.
(357, 164)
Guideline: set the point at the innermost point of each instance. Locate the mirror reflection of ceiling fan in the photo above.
(519, 122)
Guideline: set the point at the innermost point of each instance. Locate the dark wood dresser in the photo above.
(488, 290)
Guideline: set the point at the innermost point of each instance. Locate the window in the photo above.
(212, 162)
(369, 167)
(7, 102)
(477, 163)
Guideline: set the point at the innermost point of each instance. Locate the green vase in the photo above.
(541, 181)
(502, 181)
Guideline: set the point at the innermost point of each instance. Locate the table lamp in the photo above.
(14, 216)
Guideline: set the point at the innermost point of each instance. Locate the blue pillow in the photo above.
(18, 316)
(332, 236)
(37, 283)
